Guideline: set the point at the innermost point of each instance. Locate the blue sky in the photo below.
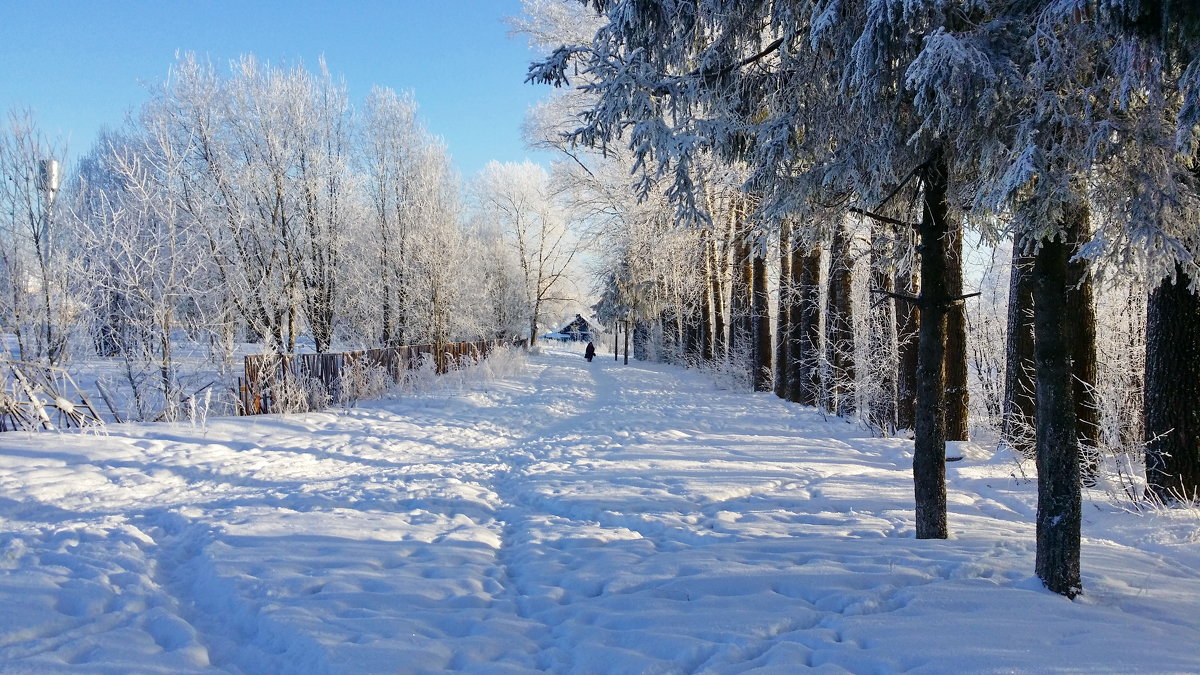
(81, 64)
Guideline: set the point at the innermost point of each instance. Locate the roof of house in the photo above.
(588, 324)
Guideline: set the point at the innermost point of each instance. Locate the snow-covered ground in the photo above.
(574, 517)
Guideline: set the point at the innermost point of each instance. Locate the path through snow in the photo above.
(575, 518)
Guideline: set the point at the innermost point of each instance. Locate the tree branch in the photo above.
(919, 301)
(665, 88)
(898, 296)
(882, 219)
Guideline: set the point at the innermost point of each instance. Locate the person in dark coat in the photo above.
(589, 352)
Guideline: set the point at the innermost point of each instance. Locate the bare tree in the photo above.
(518, 198)
(35, 298)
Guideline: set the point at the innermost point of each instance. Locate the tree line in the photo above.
(841, 153)
(256, 205)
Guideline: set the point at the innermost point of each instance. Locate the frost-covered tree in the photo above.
(518, 198)
(268, 171)
(257, 205)
(412, 190)
(1018, 117)
(771, 84)
(34, 301)
(143, 266)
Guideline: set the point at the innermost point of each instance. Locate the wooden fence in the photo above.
(303, 382)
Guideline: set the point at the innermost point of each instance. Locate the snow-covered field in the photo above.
(573, 518)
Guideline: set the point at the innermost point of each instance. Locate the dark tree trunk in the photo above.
(883, 334)
(642, 330)
(1081, 318)
(783, 322)
(385, 316)
(806, 326)
(839, 327)
(908, 319)
(929, 444)
(795, 309)
(1172, 403)
(761, 310)
(957, 394)
(693, 337)
(1019, 401)
(1059, 502)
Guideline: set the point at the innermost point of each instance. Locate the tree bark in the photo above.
(783, 318)
(929, 444)
(957, 393)
(908, 319)
(761, 311)
(641, 339)
(806, 326)
(839, 327)
(1172, 403)
(1081, 318)
(1059, 502)
(1019, 401)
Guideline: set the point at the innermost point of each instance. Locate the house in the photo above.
(578, 329)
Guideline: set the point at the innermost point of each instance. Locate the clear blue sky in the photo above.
(81, 64)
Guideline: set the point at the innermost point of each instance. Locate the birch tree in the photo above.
(518, 198)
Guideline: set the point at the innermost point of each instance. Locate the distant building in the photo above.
(578, 329)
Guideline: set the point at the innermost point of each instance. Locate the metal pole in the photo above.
(616, 338)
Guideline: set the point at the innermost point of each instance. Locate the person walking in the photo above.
(589, 352)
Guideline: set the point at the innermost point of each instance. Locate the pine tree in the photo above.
(1019, 401)
(839, 327)
(1059, 501)
(1172, 401)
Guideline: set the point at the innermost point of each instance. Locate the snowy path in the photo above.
(576, 518)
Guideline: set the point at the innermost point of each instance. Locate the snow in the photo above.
(574, 517)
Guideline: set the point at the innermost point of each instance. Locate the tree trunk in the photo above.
(783, 323)
(806, 326)
(720, 345)
(957, 394)
(708, 285)
(1172, 403)
(1059, 502)
(761, 311)
(693, 337)
(929, 444)
(882, 412)
(741, 317)
(839, 327)
(641, 340)
(908, 319)
(1081, 318)
(1019, 404)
